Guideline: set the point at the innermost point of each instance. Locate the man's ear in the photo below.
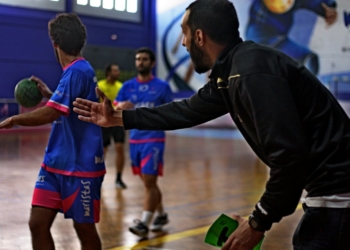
(199, 37)
(55, 45)
(153, 64)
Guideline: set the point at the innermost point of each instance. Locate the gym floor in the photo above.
(207, 172)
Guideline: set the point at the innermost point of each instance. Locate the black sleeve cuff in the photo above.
(265, 217)
(263, 222)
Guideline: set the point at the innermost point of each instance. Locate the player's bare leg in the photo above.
(151, 201)
(153, 196)
(119, 163)
(40, 223)
(88, 236)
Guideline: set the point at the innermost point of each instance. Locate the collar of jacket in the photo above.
(220, 69)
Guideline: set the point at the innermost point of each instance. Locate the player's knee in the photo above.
(119, 147)
(86, 231)
(35, 226)
(150, 183)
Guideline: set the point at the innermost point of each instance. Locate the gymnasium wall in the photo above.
(25, 47)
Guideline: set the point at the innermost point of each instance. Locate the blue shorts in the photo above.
(77, 198)
(147, 158)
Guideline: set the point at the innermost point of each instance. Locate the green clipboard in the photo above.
(221, 229)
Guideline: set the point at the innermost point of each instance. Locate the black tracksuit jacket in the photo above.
(290, 120)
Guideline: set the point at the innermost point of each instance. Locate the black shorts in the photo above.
(118, 134)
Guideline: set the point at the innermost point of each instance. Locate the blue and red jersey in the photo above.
(149, 94)
(75, 147)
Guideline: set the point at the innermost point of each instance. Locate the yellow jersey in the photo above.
(110, 90)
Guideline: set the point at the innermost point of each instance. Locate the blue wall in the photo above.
(25, 47)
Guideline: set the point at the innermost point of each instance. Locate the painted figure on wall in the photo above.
(271, 21)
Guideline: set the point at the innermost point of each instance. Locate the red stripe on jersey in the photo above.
(147, 140)
(74, 61)
(59, 107)
(76, 173)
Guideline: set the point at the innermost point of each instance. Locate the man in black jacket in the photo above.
(291, 121)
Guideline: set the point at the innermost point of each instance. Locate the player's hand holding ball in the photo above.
(43, 88)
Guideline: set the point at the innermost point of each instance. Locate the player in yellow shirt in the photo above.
(111, 86)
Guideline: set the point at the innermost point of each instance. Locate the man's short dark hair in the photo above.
(109, 68)
(68, 32)
(217, 18)
(150, 52)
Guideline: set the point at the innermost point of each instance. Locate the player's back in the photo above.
(75, 147)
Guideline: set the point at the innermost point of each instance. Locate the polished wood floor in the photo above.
(207, 173)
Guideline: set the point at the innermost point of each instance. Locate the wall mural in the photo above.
(296, 27)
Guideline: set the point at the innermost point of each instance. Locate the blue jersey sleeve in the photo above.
(121, 97)
(168, 94)
(68, 89)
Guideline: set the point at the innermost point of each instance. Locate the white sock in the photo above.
(146, 217)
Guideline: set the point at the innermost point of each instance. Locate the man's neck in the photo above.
(145, 78)
(65, 60)
(110, 80)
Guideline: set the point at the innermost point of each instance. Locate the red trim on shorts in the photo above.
(96, 211)
(68, 202)
(136, 170)
(64, 109)
(46, 198)
(160, 169)
(76, 173)
(147, 140)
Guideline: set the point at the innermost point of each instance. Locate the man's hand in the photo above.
(244, 237)
(44, 89)
(6, 124)
(101, 114)
(125, 105)
(330, 14)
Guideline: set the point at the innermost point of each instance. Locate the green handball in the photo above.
(27, 93)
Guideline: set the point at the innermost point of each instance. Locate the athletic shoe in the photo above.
(120, 185)
(139, 229)
(159, 222)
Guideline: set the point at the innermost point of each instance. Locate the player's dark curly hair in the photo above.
(68, 32)
(217, 18)
(148, 51)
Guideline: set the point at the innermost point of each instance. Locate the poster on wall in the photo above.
(299, 28)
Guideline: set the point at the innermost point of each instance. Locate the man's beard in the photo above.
(144, 71)
(56, 55)
(199, 58)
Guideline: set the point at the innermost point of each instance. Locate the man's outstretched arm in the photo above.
(204, 106)
(100, 113)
